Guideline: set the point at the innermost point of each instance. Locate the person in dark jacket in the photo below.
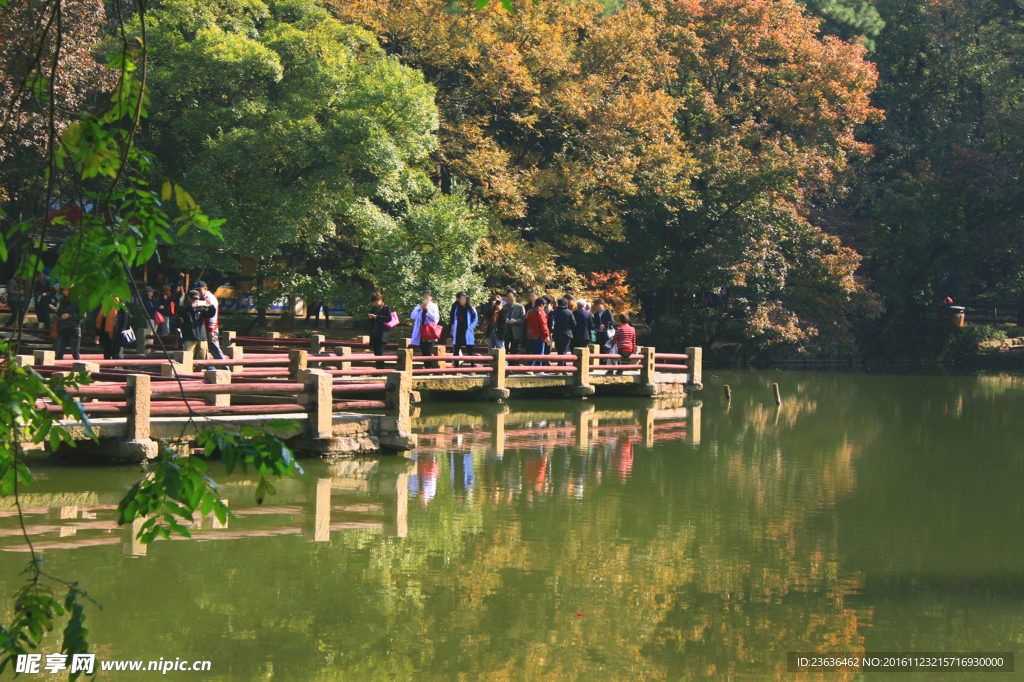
(109, 326)
(379, 315)
(191, 321)
(492, 324)
(463, 320)
(44, 297)
(514, 318)
(563, 327)
(584, 325)
(69, 334)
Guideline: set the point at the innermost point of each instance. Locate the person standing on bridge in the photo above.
(564, 327)
(109, 326)
(192, 319)
(425, 318)
(380, 317)
(537, 333)
(493, 326)
(15, 293)
(514, 316)
(213, 322)
(625, 340)
(584, 325)
(464, 320)
(69, 333)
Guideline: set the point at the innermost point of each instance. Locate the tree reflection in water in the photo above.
(867, 513)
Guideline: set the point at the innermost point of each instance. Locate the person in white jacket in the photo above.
(464, 320)
(423, 314)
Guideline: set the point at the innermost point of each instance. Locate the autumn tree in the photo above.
(680, 141)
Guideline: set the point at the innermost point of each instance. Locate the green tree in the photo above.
(292, 126)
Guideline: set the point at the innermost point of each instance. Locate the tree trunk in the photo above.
(261, 307)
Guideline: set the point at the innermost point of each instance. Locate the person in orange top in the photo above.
(537, 333)
(109, 326)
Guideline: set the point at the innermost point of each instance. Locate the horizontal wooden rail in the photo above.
(452, 370)
(540, 368)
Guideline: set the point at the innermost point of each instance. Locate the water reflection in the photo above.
(867, 513)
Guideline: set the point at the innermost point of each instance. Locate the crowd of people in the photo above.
(541, 326)
(165, 310)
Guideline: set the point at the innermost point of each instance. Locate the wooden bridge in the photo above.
(328, 398)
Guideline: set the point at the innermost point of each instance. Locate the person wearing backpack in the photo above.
(380, 319)
(426, 328)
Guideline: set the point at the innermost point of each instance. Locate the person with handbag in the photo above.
(426, 327)
(464, 321)
(109, 327)
(380, 318)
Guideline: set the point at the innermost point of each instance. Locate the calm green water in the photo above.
(610, 540)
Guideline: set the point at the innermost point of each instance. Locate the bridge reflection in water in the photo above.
(586, 442)
(373, 494)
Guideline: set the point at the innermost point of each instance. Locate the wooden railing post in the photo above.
(142, 338)
(235, 352)
(498, 368)
(298, 360)
(581, 377)
(44, 357)
(496, 384)
(139, 398)
(89, 367)
(404, 362)
(344, 351)
(217, 376)
(181, 361)
(316, 344)
(320, 397)
(399, 395)
(648, 373)
(696, 368)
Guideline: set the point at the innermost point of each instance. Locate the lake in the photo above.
(598, 540)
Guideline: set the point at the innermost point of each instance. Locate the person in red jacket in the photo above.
(625, 339)
(537, 333)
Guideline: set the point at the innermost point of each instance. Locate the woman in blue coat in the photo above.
(464, 320)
